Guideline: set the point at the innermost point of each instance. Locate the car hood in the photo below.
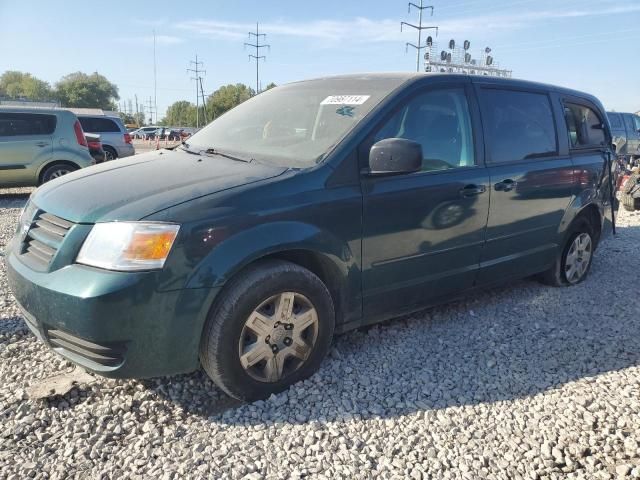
(136, 187)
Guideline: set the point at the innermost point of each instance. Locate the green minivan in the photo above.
(40, 144)
(311, 209)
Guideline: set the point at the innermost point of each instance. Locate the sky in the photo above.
(589, 45)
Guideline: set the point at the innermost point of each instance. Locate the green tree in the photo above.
(14, 84)
(180, 114)
(88, 91)
(271, 85)
(227, 97)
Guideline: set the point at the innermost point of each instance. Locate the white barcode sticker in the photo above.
(345, 100)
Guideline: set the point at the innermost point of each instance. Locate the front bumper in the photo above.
(113, 323)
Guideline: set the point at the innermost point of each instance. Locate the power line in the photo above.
(257, 35)
(197, 71)
(419, 28)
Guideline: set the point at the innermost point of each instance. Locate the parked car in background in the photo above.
(144, 133)
(95, 147)
(173, 134)
(625, 128)
(116, 141)
(304, 212)
(38, 145)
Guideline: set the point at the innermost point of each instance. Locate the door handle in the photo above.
(42, 144)
(506, 185)
(472, 190)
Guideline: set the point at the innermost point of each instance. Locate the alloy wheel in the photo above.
(59, 173)
(578, 258)
(278, 337)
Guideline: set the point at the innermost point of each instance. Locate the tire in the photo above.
(230, 332)
(561, 275)
(110, 152)
(56, 171)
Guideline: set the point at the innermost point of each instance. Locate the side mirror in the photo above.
(395, 156)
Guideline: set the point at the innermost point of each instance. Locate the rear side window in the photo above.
(19, 124)
(518, 125)
(615, 120)
(584, 126)
(99, 125)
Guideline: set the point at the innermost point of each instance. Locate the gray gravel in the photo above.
(519, 382)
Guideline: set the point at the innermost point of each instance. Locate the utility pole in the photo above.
(257, 35)
(197, 71)
(137, 111)
(204, 103)
(420, 28)
(155, 79)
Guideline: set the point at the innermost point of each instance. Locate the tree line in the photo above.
(83, 90)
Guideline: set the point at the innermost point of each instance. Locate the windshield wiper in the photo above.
(213, 151)
(185, 146)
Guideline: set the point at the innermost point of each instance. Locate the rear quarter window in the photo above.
(22, 124)
(584, 126)
(518, 125)
(99, 125)
(615, 120)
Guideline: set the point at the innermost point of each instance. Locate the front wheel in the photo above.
(56, 171)
(271, 328)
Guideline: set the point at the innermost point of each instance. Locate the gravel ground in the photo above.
(519, 382)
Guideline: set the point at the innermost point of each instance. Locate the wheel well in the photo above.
(322, 267)
(52, 164)
(109, 147)
(592, 215)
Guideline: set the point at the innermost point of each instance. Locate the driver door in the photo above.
(423, 232)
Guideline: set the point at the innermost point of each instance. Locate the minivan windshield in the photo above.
(294, 125)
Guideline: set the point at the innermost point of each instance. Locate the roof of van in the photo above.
(408, 77)
(93, 112)
(51, 111)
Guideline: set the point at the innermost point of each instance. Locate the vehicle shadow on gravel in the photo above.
(496, 345)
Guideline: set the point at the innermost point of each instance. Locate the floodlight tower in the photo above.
(257, 35)
(419, 28)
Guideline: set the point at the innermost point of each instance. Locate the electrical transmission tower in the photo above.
(197, 70)
(419, 28)
(151, 110)
(257, 35)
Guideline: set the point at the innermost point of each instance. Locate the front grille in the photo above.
(44, 239)
(104, 355)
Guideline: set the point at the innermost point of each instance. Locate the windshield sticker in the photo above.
(345, 111)
(345, 100)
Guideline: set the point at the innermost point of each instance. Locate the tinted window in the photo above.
(440, 122)
(633, 123)
(518, 125)
(584, 126)
(615, 120)
(16, 124)
(98, 125)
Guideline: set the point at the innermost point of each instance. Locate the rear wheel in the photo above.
(110, 153)
(573, 265)
(272, 328)
(56, 171)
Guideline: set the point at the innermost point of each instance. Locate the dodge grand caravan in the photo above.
(311, 209)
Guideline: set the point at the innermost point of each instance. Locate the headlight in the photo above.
(26, 219)
(128, 245)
